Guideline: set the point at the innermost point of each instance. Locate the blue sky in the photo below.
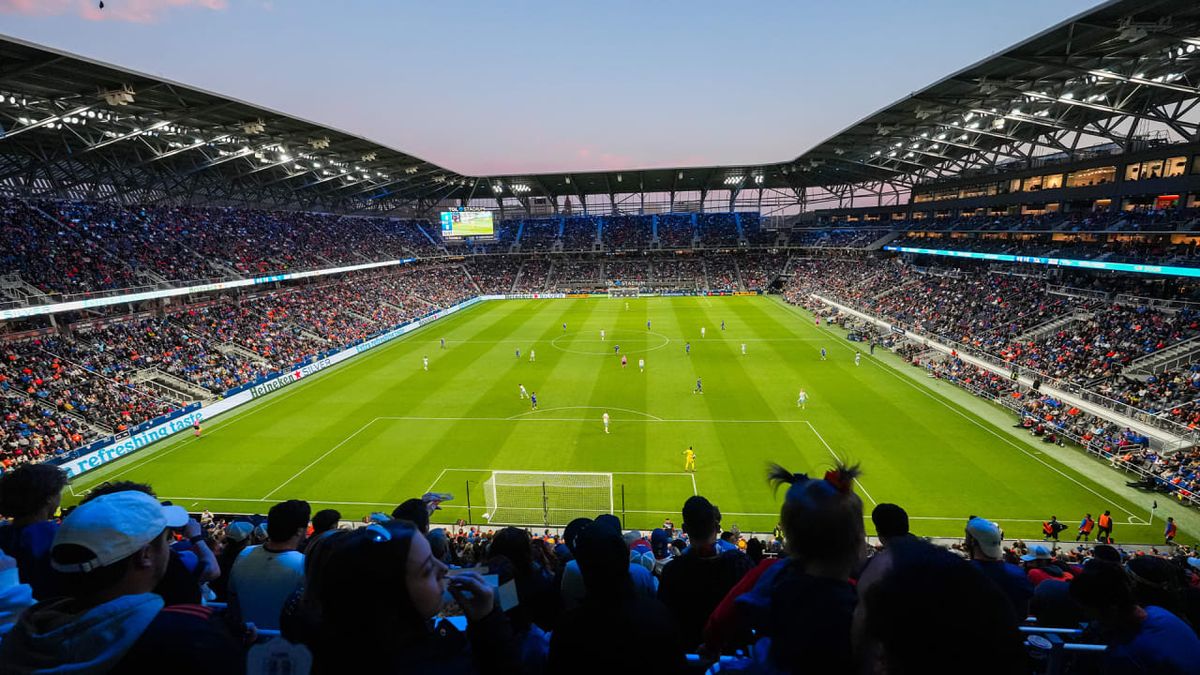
(566, 85)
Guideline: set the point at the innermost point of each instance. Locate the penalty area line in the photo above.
(839, 461)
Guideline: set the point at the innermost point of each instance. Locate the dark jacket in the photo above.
(596, 637)
(486, 648)
(804, 621)
(693, 584)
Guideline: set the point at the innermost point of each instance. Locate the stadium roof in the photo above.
(1124, 73)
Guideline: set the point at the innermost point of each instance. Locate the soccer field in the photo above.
(366, 435)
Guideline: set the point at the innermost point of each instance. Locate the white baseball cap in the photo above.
(114, 527)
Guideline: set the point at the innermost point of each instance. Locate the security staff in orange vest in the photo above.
(1104, 528)
(1085, 528)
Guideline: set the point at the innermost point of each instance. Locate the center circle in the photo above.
(637, 341)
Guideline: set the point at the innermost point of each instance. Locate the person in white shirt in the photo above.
(264, 577)
(523, 394)
(601, 333)
(606, 423)
(701, 331)
(858, 358)
(743, 349)
(642, 365)
(532, 356)
(425, 362)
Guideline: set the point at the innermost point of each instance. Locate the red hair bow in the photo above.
(838, 479)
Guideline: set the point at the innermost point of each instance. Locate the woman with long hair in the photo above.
(381, 588)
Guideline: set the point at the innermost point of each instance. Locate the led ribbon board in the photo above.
(1165, 270)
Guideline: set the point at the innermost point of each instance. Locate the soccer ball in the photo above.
(487, 516)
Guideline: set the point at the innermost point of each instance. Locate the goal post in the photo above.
(624, 292)
(546, 498)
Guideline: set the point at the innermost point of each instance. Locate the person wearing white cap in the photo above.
(985, 547)
(110, 553)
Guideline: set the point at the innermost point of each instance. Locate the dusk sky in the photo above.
(509, 87)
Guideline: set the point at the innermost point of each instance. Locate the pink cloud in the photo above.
(133, 11)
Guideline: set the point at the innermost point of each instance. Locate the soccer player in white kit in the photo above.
(605, 423)
(601, 333)
(802, 399)
(743, 349)
(857, 358)
(532, 356)
(701, 331)
(642, 365)
(523, 394)
(425, 362)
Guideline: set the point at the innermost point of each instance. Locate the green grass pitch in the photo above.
(368, 434)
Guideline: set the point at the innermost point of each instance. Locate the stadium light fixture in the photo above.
(118, 97)
(734, 180)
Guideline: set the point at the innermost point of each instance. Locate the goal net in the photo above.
(623, 292)
(546, 497)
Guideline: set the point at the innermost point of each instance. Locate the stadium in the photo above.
(765, 417)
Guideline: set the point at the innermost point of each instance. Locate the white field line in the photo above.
(888, 369)
(526, 418)
(656, 418)
(436, 480)
(323, 456)
(839, 461)
(963, 519)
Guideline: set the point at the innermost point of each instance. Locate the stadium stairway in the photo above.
(1164, 359)
(21, 292)
(1051, 325)
(248, 354)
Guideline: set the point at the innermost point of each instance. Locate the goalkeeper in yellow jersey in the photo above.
(689, 459)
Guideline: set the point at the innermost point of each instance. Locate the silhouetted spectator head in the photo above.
(660, 543)
(112, 487)
(31, 491)
(1104, 591)
(287, 521)
(113, 541)
(516, 545)
(754, 550)
(414, 511)
(572, 531)
(604, 562)
(822, 518)
(933, 602)
(700, 520)
(890, 522)
(1157, 581)
(439, 544)
(1103, 553)
(325, 520)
